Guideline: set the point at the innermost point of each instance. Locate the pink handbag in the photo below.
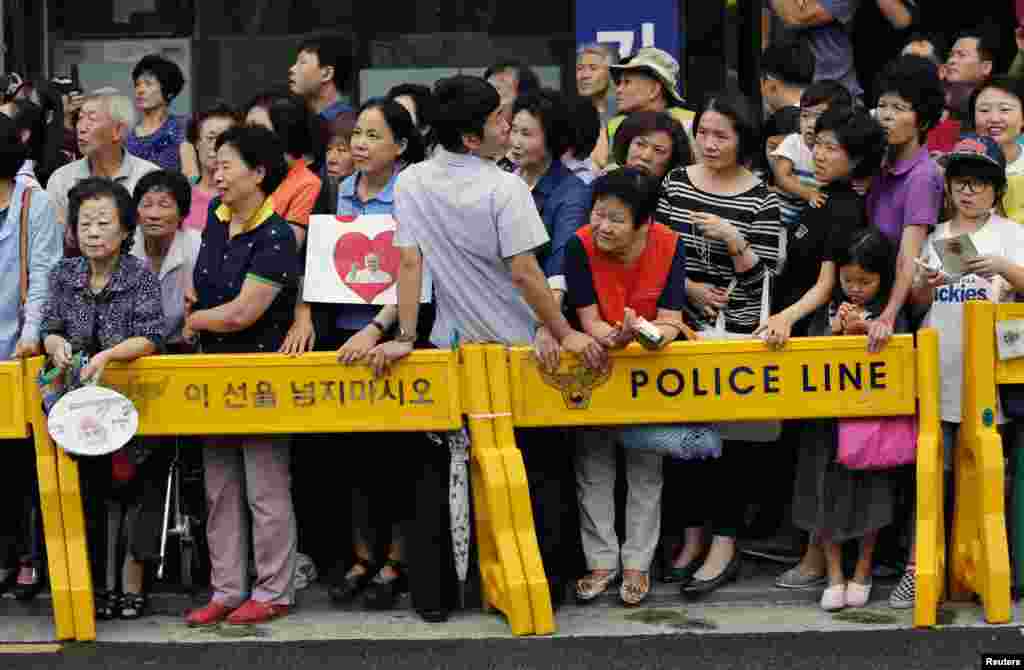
(877, 443)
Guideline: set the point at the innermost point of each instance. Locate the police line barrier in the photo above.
(746, 381)
(16, 413)
(274, 394)
(498, 389)
(979, 555)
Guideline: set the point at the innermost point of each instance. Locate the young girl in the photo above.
(833, 503)
(975, 182)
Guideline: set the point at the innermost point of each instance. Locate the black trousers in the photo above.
(20, 521)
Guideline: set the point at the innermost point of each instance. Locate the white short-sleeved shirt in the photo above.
(796, 151)
(468, 217)
(998, 237)
(67, 177)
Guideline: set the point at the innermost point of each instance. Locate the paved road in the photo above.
(898, 650)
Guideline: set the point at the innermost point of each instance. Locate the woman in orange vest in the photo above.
(626, 278)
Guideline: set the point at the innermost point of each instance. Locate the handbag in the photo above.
(681, 441)
(877, 443)
(748, 431)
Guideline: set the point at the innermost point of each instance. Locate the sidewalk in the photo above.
(753, 605)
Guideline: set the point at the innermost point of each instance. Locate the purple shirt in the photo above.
(906, 193)
(161, 147)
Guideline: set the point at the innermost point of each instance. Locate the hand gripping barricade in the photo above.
(746, 381)
(979, 554)
(20, 407)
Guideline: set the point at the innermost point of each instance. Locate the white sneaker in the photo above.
(857, 595)
(833, 598)
(902, 597)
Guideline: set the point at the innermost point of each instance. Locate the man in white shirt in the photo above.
(475, 228)
(103, 124)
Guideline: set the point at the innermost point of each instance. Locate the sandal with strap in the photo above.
(352, 585)
(108, 605)
(594, 584)
(383, 591)
(134, 606)
(635, 588)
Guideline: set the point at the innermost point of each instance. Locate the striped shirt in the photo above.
(755, 213)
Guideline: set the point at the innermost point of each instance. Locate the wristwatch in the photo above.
(379, 326)
(405, 336)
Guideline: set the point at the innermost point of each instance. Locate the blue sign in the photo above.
(630, 25)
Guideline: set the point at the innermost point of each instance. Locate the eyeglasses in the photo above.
(969, 185)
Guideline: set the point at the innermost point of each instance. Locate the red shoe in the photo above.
(213, 613)
(253, 612)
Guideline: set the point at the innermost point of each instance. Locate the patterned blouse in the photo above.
(129, 306)
(161, 147)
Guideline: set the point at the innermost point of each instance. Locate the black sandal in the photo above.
(352, 585)
(383, 592)
(108, 605)
(133, 606)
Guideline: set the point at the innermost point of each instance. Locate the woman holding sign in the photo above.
(244, 296)
(384, 140)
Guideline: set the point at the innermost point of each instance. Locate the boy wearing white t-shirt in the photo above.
(793, 166)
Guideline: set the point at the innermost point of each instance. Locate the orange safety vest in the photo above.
(639, 285)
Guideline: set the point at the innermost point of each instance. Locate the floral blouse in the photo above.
(129, 306)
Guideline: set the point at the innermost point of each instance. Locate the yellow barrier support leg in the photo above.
(931, 540)
(982, 559)
(78, 549)
(501, 568)
(49, 503)
(519, 493)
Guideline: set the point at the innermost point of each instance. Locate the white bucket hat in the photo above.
(660, 64)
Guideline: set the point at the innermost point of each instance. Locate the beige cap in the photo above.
(658, 63)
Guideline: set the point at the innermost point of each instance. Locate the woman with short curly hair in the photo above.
(158, 138)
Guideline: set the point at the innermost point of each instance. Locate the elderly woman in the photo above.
(105, 304)
(729, 220)
(289, 118)
(205, 130)
(338, 163)
(653, 142)
(166, 247)
(244, 297)
(30, 246)
(159, 137)
(619, 268)
(540, 134)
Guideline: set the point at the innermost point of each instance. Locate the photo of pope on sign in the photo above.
(354, 261)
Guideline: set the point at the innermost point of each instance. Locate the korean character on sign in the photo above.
(357, 391)
(196, 393)
(421, 387)
(265, 396)
(304, 395)
(232, 396)
(386, 392)
(327, 389)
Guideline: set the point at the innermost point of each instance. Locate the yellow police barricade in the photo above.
(979, 559)
(17, 410)
(744, 380)
(274, 394)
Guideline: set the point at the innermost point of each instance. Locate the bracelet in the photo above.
(379, 326)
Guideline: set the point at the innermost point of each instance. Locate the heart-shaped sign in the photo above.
(367, 266)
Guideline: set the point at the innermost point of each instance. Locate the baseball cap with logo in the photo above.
(978, 150)
(657, 63)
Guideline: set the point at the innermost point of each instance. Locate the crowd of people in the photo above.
(578, 222)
